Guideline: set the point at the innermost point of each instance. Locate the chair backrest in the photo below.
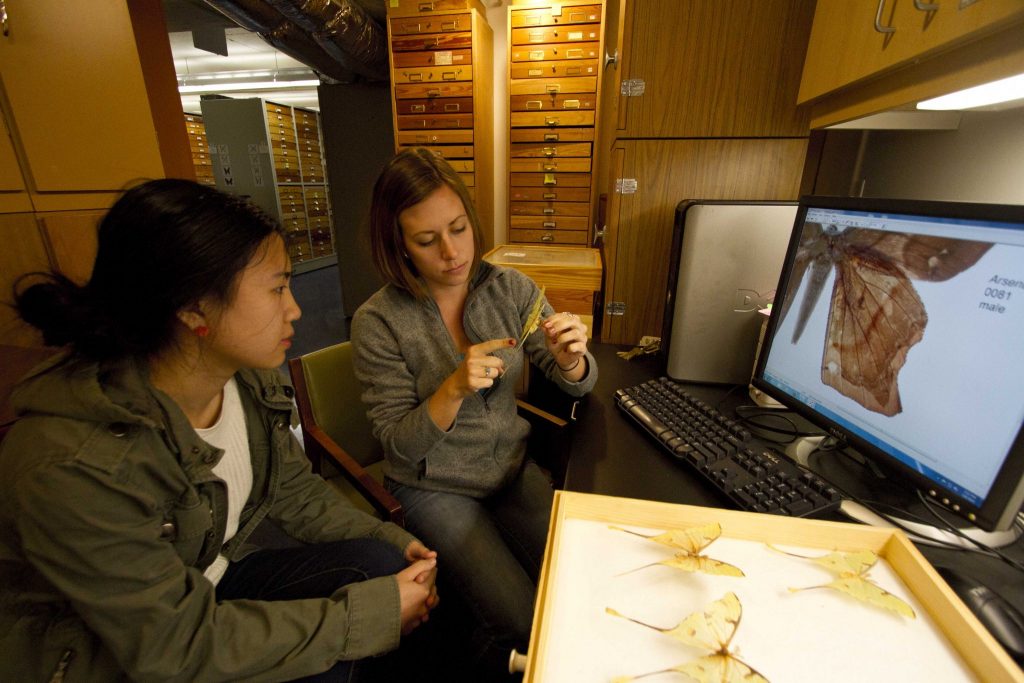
(335, 399)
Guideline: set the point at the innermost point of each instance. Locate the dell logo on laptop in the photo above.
(750, 301)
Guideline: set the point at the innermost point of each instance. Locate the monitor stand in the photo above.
(801, 451)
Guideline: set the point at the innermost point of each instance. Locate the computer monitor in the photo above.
(898, 326)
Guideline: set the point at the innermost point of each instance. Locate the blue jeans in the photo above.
(311, 571)
(490, 550)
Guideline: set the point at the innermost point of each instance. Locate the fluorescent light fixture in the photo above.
(1003, 90)
(252, 85)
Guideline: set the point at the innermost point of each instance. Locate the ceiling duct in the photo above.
(337, 38)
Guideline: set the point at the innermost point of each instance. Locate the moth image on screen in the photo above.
(875, 315)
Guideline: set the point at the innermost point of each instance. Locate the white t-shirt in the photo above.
(235, 468)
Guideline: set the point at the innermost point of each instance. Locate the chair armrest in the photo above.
(550, 440)
(317, 441)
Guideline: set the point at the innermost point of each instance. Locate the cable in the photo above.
(933, 508)
(793, 432)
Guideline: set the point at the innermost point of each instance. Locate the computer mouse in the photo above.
(1004, 621)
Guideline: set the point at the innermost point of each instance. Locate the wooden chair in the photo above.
(332, 413)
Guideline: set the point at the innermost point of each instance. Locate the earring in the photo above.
(201, 330)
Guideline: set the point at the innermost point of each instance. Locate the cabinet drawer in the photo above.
(553, 86)
(550, 180)
(553, 103)
(548, 236)
(433, 74)
(549, 208)
(414, 122)
(550, 150)
(448, 151)
(550, 222)
(425, 90)
(319, 222)
(411, 8)
(469, 179)
(556, 69)
(548, 53)
(440, 23)
(461, 165)
(549, 165)
(433, 58)
(529, 119)
(416, 137)
(437, 41)
(435, 105)
(551, 135)
(556, 34)
(296, 230)
(549, 193)
(552, 16)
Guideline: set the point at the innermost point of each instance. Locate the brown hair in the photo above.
(411, 176)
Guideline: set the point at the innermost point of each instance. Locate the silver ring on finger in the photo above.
(487, 371)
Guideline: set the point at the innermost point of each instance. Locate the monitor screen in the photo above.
(898, 326)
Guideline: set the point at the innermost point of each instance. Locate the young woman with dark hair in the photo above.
(438, 351)
(146, 456)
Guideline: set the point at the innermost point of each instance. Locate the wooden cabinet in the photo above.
(85, 114)
(701, 104)
(200, 148)
(554, 69)
(441, 63)
(852, 41)
(273, 154)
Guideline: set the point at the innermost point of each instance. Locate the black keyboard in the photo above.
(753, 476)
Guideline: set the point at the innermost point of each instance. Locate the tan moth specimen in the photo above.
(713, 630)
(875, 315)
(851, 571)
(691, 541)
(533, 320)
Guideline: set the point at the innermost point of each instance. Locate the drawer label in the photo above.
(443, 58)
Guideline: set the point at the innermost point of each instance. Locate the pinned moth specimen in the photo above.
(533, 320)
(691, 541)
(851, 572)
(875, 315)
(713, 630)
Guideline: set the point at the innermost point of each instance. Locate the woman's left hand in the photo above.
(417, 551)
(566, 339)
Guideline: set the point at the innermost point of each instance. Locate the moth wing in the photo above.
(862, 589)
(703, 564)
(841, 564)
(720, 668)
(712, 628)
(923, 257)
(692, 540)
(875, 318)
(533, 319)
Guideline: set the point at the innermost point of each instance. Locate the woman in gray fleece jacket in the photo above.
(438, 352)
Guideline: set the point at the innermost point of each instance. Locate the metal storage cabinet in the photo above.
(553, 80)
(441, 62)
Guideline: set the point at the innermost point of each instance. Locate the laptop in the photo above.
(726, 261)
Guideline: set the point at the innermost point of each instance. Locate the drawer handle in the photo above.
(551, 120)
(547, 237)
(550, 137)
(574, 54)
(535, 72)
(431, 42)
(549, 179)
(571, 104)
(426, 7)
(926, 6)
(452, 107)
(537, 55)
(450, 25)
(573, 71)
(878, 20)
(549, 224)
(534, 104)
(549, 151)
(415, 77)
(549, 195)
(449, 75)
(418, 108)
(434, 92)
(550, 168)
(549, 212)
(553, 88)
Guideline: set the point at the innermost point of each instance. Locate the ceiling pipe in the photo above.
(337, 38)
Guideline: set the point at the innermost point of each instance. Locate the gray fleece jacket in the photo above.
(403, 354)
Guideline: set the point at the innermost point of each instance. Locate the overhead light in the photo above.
(1003, 90)
(251, 85)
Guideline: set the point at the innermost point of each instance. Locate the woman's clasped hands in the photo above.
(417, 587)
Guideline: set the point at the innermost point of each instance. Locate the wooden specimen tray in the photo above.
(809, 635)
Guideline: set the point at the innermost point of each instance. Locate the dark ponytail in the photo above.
(164, 245)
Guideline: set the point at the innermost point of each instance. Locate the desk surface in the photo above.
(612, 455)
